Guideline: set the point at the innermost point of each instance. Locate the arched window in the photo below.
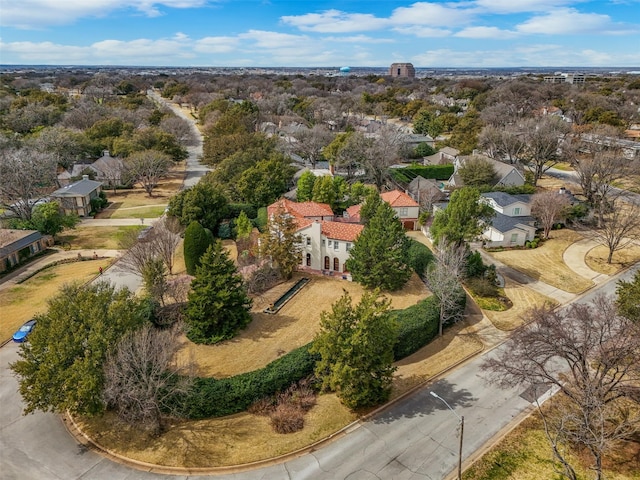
(326, 263)
(336, 264)
(308, 259)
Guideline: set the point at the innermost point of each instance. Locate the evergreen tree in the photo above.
(196, 241)
(370, 206)
(305, 186)
(355, 345)
(243, 226)
(379, 257)
(324, 191)
(281, 243)
(218, 304)
(464, 218)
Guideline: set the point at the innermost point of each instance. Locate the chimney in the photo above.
(105, 153)
(85, 177)
(332, 169)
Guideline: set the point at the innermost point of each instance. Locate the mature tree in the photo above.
(443, 277)
(328, 189)
(348, 151)
(590, 354)
(197, 240)
(60, 368)
(154, 279)
(464, 218)
(548, 208)
(143, 378)
(150, 138)
(148, 167)
(618, 227)
(48, 219)
(378, 258)
(464, 136)
(543, 138)
(478, 171)
(370, 206)
(310, 142)
(218, 304)
(266, 181)
(305, 185)
(64, 144)
(355, 345)
(281, 243)
(180, 129)
(628, 298)
(164, 240)
(26, 176)
(204, 203)
(503, 143)
(382, 151)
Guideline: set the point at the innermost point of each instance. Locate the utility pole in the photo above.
(461, 420)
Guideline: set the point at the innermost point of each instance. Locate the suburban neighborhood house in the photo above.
(76, 198)
(107, 169)
(325, 242)
(18, 245)
(405, 207)
(506, 175)
(513, 224)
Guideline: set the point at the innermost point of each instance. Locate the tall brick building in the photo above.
(402, 70)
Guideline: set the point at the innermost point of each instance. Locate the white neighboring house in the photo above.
(507, 175)
(513, 224)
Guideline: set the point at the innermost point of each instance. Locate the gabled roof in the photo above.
(504, 223)
(347, 232)
(396, 198)
(301, 209)
(15, 240)
(354, 211)
(79, 188)
(505, 199)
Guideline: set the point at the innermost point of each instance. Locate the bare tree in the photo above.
(310, 143)
(26, 176)
(589, 354)
(443, 279)
(619, 226)
(382, 152)
(144, 376)
(549, 207)
(138, 251)
(503, 143)
(164, 240)
(542, 138)
(179, 128)
(148, 167)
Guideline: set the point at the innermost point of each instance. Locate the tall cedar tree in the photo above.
(196, 241)
(379, 257)
(203, 203)
(218, 304)
(281, 243)
(355, 345)
(61, 367)
(464, 218)
(628, 301)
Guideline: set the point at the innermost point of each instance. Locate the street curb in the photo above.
(74, 430)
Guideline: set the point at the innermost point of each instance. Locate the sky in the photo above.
(321, 33)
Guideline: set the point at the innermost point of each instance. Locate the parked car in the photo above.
(21, 335)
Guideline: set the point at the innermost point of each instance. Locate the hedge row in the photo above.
(211, 397)
(438, 172)
(216, 398)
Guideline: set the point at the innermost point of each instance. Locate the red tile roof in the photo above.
(396, 198)
(302, 209)
(347, 232)
(354, 211)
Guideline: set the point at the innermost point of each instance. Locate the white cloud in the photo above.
(359, 39)
(41, 13)
(335, 21)
(266, 39)
(423, 32)
(216, 44)
(485, 33)
(432, 14)
(521, 6)
(568, 21)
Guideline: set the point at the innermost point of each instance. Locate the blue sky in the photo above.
(323, 33)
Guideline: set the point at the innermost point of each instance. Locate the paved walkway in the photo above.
(117, 222)
(574, 258)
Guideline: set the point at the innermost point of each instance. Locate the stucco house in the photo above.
(507, 175)
(18, 245)
(513, 224)
(407, 209)
(325, 242)
(76, 197)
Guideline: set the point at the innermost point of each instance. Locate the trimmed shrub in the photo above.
(216, 398)
(418, 324)
(482, 287)
(196, 241)
(437, 172)
(287, 418)
(418, 256)
(261, 220)
(249, 210)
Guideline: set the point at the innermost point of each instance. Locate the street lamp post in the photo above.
(461, 419)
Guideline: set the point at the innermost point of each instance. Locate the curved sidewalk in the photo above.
(574, 258)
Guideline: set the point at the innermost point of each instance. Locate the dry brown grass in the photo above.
(137, 197)
(596, 259)
(269, 336)
(232, 440)
(20, 303)
(546, 264)
(523, 299)
(95, 238)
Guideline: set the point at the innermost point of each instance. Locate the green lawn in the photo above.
(96, 238)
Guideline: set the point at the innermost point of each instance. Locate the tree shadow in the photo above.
(422, 403)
